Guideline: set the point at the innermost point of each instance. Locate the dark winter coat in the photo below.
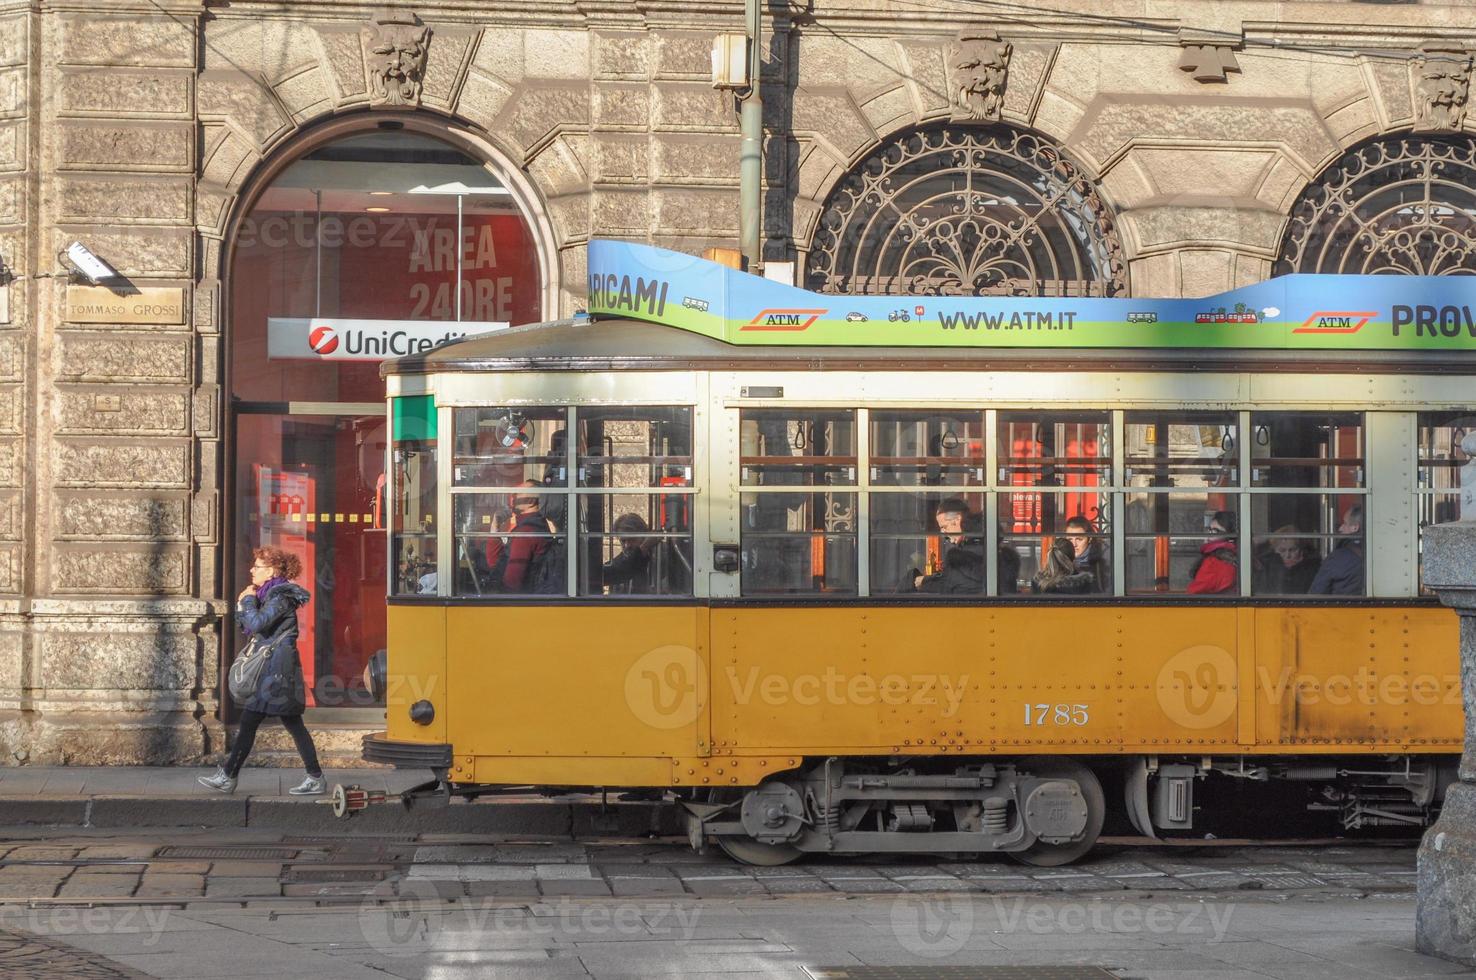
(1341, 573)
(963, 566)
(281, 690)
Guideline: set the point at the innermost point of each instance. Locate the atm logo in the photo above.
(323, 340)
(792, 321)
(1335, 322)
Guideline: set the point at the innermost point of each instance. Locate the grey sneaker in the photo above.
(219, 782)
(311, 786)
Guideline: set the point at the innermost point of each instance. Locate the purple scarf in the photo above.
(268, 586)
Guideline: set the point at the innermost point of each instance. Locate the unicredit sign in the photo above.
(328, 339)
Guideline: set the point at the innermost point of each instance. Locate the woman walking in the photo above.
(267, 609)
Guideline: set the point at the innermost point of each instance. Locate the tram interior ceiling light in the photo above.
(89, 268)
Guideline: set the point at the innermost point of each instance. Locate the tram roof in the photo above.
(622, 344)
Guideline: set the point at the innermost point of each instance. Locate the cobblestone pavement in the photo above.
(249, 904)
(240, 865)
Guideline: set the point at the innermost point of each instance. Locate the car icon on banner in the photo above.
(855, 317)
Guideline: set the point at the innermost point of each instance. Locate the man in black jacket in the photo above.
(963, 552)
(1342, 572)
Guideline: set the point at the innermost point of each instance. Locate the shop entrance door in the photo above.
(310, 480)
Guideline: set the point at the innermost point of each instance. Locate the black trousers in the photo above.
(246, 736)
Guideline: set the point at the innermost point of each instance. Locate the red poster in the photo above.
(287, 511)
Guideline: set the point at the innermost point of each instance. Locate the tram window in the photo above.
(1180, 519)
(1033, 522)
(1180, 449)
(1182, 542)
(1440, 461)
(505, 545)
(413, 496)
(635, 447)
(798, 543)
(1307, 449)
(937, 537)
(1055, 449)
(508, 447)
(797, 447)
(1308, 544)
(635, 544)
(938, 448)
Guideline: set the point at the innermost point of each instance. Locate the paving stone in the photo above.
(456, 854)
(498, 872)
(325, 889)
(136, 852)
(234, 887)
(34, 883)
(156, 885)
(41, 852)
(573, 887)
(793, 885)
(724, 886)
(502, 889)
(547, 872)
(98, 886)
(179, 867)
(641, 887)
(863, 886)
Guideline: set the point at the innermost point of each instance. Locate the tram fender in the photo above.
(1135, 793)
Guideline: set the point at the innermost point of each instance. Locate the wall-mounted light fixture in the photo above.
(88, 268)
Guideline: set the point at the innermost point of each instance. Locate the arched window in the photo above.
(356, 249)
(1402, 205)
(966, 211)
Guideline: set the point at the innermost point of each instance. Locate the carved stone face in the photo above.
(1442, 88)
(980, 69)
(400, 55)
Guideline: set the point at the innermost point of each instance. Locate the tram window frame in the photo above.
(1162, 483)
(1036, 490)
(564, 492)
(659, 551)
(828, 484)
(1438, 500)
(1340, 487)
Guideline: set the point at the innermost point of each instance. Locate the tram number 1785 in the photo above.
(1056, 714)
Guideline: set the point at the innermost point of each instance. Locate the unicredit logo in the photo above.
(323, 340)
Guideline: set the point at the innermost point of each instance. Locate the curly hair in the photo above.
(283, 563)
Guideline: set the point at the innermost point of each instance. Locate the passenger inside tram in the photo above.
(1218, 570)
(1342, 572)
(962, 568)
(1088, 555)
(1288, 565)
(629, 571)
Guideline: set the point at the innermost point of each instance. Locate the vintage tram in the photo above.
(792, 561)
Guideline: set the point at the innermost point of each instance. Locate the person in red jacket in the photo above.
(1218, 569)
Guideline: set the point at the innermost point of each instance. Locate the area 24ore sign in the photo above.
(330, 339)
(1301, 312)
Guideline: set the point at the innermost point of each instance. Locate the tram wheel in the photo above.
(1045, 855)
(746, 850)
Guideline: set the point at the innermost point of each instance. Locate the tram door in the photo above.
(313, 486)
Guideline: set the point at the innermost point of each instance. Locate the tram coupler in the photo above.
(349, 800)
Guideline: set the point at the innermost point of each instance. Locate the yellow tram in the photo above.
(628, 554)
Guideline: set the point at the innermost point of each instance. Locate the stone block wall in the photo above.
(141, 127)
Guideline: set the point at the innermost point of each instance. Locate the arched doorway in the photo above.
(353, 247)
(968, 211)
(1402, 205)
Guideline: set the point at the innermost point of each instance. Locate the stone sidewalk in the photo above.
(129, 796)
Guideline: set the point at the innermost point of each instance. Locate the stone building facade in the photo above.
(1196, 145)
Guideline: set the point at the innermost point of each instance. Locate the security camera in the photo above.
(89, 266)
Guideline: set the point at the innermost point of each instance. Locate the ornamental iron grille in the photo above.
(966, 211)
(1399, 206)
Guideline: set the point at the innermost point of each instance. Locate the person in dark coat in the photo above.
(1088, 557)
(1289, 565)
(629, 571)
(1059, 573)
(267, 610)
(1342, 572)
(962, 572)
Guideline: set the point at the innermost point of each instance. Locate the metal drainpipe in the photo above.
(750, 155)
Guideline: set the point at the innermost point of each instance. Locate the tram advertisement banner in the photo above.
(1301, 312)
